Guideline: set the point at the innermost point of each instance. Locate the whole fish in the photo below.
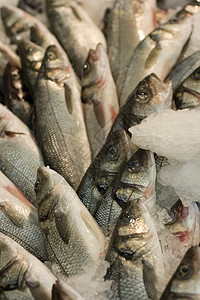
(60, 123)
(187, 95)
(74, 29)
(184, 222)
(19, 221)
(102, 171)
(157, 53)
(150, 96)
(19, 157)
(129, 23)
(72, 237)
(135, 181)
(99, 96)
(134, 254)
(185, 281)
(20, 270)
(16, 97)
(62, 291)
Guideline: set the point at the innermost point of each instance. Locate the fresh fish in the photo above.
(134, 254)
(184, 69)
(157, 53)
(19, 221)
(60, 127)
(184, 222)
(19, 157)
(62, 291)
(150, 96)
(35, 8)
(16, 97)
(7, 55)
(135, 181)
(74, 29)
(185, 281)
(22, 272)
(187, 95)
(102, 171)
(72, 237)
(130, 22)
(31, 56)
(99, 96)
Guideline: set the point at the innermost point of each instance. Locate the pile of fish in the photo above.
(76, 192)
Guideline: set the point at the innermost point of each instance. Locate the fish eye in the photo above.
(51, 55)
(113, 153)
(127, 217)
(134, 166)
(38, 185)
(86, 68)
(15, 75)
(196, 74)
(142, 95)
(184, 272)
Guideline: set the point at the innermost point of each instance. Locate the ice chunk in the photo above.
(174, 134)
(166, 195)
(184, 177)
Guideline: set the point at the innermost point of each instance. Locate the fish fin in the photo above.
(13, 133)
(62, 226)
(76, 13)
(12, 213)
(68, 98)
(150, 279)
(32, 284)
(58, 291)
(152, 57)
(99, 111)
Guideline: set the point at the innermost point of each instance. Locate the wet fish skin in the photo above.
(7, 55)
(157, 53)
(72, 26)
(72, 237)
(98, 91)
(150, 96)
(102, 171)
(136, 180)
(60, 123)
(128, 24)
(15, 95)
(62, 291)
(20, 156)
(184, 284)
(134, 248)
(187, 95)
(19, 270)
(19, 221)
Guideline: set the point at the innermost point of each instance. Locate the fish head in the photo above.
(54, 66)
(187, 95)
(137, 179)
(133, 233)
(151, 96)
(8, 252)
(93, 76)
(31, 54)
(16, 23)
(185, 283)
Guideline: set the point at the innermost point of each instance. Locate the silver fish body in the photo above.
(62, 291)
(73, 238)
(7, 55)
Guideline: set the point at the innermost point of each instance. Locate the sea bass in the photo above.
(60, 123)
(72, 237)
(99, 96)
(20, 270)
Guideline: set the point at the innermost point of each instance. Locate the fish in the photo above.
(99, 96)
(135, 181)
(150, 96)
(19, 221)
(7, 55)
(157, 53)
(184, 283)
(73, 239)
(103, 169)
(35, 8)
(15, 95)
(60, 126)
(20, 156)
(22, 273)
(62, 291)
(187, 94)
(129, 23)
(134, 255)
(74, 29)
(184, 222)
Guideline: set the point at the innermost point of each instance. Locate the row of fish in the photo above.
(95, 200)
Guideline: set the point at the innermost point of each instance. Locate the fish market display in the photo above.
(99, 150)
